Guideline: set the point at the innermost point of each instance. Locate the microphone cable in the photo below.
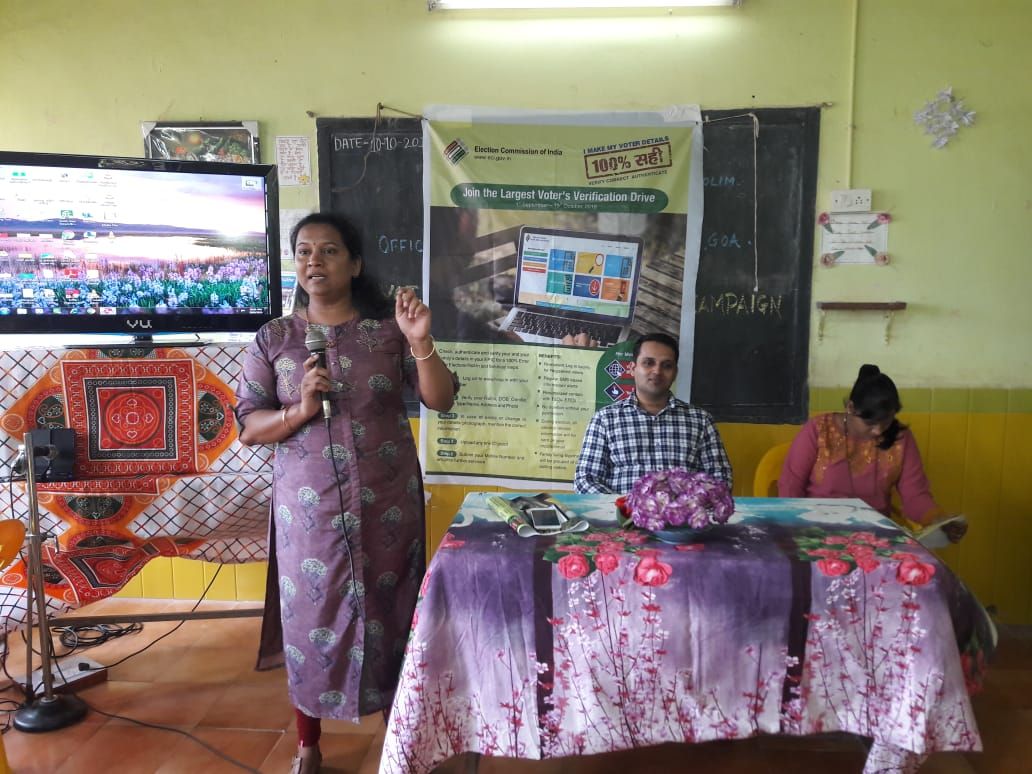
(9, 706)
(338, 484)
(158, 726)
(359, 597)
(5, 650)
(170, 632)
(82, 637)
(210, 748)
(129, 629)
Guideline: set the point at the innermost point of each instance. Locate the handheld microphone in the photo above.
(316, 343)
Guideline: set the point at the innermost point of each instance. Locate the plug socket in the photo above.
(852, 200)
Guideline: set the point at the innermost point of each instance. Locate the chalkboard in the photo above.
(751, 346)
(752, 308)
(372, 171)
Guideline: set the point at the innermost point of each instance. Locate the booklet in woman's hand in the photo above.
(933, 535)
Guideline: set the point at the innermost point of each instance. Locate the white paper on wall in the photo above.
(294, 160)
(858, 237)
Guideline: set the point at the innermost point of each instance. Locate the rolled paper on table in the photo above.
(512, 517)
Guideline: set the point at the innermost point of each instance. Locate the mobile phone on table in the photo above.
(545, 519)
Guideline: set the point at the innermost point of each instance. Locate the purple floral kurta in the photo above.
(334, 550)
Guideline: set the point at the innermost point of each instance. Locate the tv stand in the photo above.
(144, 342)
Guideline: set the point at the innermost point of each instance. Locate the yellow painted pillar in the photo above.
(4, 767)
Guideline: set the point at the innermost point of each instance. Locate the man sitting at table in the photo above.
(650, 430)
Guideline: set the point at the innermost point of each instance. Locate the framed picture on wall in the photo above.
(230, 141)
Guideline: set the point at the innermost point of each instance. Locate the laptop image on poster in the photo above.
(570, 282)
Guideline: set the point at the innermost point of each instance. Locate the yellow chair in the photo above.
(12, 535)
(896, 514)
(765, 482)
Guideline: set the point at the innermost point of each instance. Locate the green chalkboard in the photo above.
(372, 171)
(752, 307)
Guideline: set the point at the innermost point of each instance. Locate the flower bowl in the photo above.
(680, 535)
(677, 498)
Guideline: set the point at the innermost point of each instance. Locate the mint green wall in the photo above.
(79, 77)
(962, 216)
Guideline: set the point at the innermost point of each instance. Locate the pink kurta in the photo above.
(823, 462)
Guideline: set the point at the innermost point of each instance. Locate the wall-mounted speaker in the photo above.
(60, 467)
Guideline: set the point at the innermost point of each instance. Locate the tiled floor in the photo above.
(200, 680)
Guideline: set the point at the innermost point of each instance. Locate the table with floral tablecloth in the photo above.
(796, 617)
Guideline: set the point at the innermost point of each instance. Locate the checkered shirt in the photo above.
(623, 442)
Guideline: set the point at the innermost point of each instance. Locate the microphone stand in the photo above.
(50, 711)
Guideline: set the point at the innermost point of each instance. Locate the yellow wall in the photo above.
(79, 77)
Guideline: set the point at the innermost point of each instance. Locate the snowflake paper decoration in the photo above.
(943, 116)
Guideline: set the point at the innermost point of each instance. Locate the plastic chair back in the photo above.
(12, 535)
(765, 482)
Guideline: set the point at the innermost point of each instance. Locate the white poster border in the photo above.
(686, 115)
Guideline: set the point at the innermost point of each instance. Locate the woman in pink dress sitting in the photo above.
(864, 452)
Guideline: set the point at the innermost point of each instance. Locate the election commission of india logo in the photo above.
(455, 151)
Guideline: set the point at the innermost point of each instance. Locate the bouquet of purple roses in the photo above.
(678, 498)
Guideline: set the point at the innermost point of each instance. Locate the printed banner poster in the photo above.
(549, 249)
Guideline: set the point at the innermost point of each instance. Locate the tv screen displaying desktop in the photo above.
(92, 244)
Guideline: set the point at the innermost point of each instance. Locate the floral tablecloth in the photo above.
(797, 617)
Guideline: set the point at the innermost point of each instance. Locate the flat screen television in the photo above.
(94, 244)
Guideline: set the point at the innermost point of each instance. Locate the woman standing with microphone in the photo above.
(347, 534)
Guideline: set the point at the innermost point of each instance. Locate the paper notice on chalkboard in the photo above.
(293, 160)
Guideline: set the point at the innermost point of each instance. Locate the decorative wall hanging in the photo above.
(160, 470)
(943, 116)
